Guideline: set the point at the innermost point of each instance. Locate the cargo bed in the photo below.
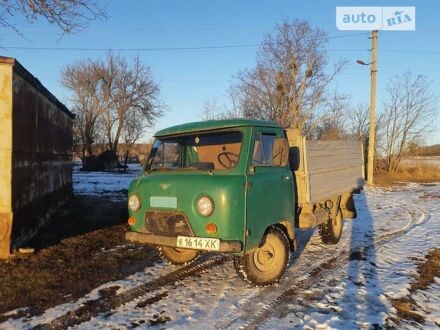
(324, 169)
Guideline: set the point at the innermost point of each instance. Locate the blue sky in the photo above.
(189, 77)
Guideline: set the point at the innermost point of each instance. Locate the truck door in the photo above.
(269, 188)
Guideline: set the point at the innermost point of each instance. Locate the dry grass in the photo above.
(422, 174)
(404, 307)
(427, 270)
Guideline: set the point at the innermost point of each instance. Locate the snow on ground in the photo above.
(404, 226)
(356, 296)
(374, 262)
(110, 185)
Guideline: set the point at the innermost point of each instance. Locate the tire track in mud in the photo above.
(324, 268)
(302, 283)
(425, 216)
(110, 300)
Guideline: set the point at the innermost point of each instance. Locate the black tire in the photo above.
(331, 231)
(237, 262)
(177, 256)
(266, 264)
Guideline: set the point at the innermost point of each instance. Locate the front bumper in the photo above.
(225, 246)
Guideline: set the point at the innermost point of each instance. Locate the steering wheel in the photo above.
(230, 157)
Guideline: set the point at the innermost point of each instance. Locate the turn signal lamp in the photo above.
(211, 228)
(131, 221)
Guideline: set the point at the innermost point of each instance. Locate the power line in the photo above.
(349, 35)
(158, 48)
(409, 51)
(130, 49)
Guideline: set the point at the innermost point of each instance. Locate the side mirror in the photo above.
(280, 152)
(294, 158)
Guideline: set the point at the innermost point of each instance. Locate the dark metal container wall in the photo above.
(41, 153)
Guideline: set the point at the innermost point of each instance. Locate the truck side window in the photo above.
(263, 149)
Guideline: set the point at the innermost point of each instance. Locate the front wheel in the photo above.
(331, 231)
(177, 256)
(266, 264)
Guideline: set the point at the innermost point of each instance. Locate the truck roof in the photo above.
(212, 125)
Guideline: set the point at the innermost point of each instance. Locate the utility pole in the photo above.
(372, 133)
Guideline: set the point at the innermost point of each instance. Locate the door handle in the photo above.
(285, 177)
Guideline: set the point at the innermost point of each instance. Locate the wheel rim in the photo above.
(177, 256)
(184, 252)
(266, 257)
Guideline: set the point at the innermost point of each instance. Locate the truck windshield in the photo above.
(199, 151)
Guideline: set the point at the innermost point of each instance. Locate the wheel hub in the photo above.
(264, 257)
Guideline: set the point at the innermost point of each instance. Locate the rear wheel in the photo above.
(177, 256)
(266, 264)
(331, 231)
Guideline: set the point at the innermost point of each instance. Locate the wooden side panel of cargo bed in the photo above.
(297, 164)
(333, 167)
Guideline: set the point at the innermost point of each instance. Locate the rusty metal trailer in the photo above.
(35, 153)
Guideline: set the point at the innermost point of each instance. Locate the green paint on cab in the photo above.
(228, 161)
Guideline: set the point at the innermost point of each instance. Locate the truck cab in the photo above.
(220, 186)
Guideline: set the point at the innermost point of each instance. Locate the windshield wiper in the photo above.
(160, 169)
(155, 169)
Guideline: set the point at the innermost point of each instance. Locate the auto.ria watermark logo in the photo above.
(376, 18)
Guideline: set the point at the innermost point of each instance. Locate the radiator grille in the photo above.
(167, 223)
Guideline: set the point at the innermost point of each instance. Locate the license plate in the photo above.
(198, 243)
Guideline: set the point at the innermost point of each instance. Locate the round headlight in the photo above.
(205, 206)
(134, 203)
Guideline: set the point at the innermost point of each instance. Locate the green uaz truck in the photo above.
(242, 187)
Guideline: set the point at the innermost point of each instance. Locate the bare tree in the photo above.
(213, 110)
(332, 124)
(133, 130)
(407, 115)
(80, 147)
(69, 16)
(358, 127)
(84, 81)
(113, 100)
(126, 89)
(359, 122)
(290, 78)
